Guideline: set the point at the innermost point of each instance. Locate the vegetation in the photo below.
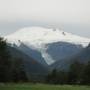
(5, 61)
(11, 70)
(18, 73)
(77, 74)
(41, 87)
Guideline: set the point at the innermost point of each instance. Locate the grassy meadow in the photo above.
(42, 87)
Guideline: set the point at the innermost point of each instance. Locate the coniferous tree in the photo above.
(52, 77)
(75, 73)
(18, 71)
(57, 77)
(62, 77)
(10, 69)
(86, 74)
(5, 62)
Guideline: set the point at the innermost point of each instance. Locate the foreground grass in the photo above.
(41, 87)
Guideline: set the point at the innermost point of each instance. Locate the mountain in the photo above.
(83, 56)
(47, 45)
(31, 53)
(31, 66)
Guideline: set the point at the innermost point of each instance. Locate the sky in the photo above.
(70, 15)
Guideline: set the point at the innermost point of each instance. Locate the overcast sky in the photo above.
(70, 15)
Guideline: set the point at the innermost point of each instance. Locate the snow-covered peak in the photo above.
(38, 39)
(36, 36)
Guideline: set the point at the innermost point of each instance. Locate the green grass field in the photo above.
(41, 87)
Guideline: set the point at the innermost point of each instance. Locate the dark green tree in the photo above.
(18, 71)
(10, 69)
(5, 62)
(52, 77)
(62, 77)
(75, 73)
(57, 77)
(86, 74)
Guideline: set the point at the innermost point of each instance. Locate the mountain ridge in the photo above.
(39, 39)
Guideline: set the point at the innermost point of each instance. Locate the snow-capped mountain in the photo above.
(47, 45)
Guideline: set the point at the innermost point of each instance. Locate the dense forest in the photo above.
(11, 69)
(78, 73)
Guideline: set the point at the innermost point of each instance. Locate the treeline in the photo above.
(78, 73)
(11, 69)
